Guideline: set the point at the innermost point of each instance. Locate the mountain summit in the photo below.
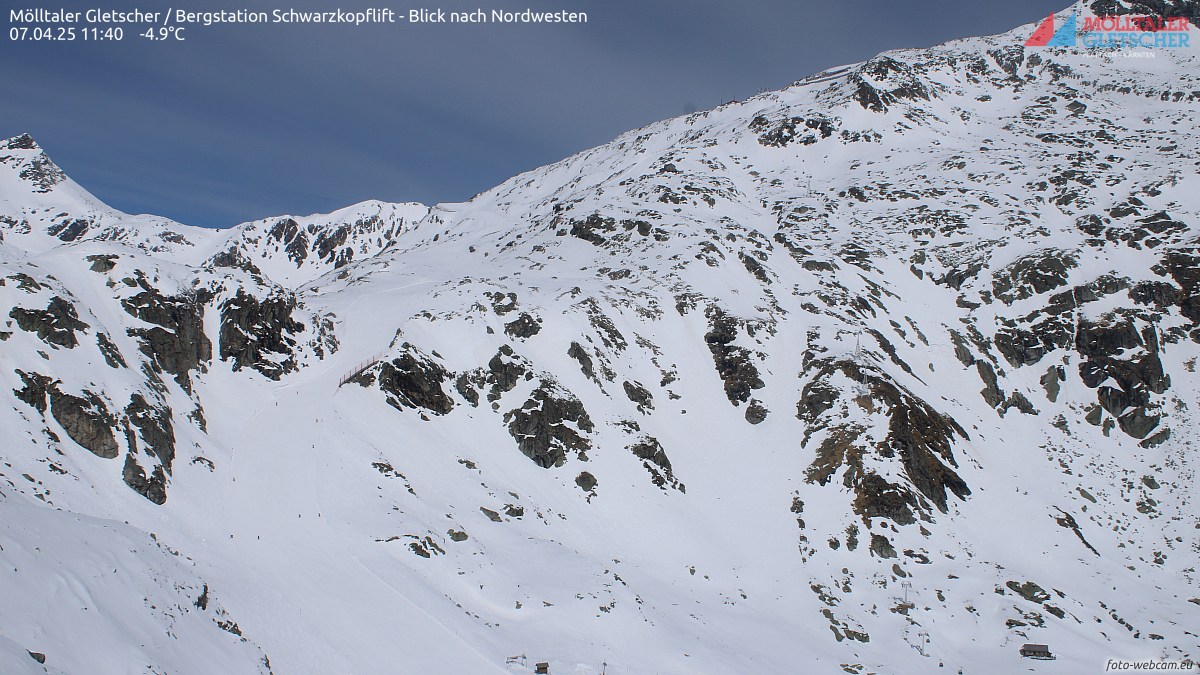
(891, 370)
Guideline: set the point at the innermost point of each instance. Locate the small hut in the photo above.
(1033, 651)
(542, 668)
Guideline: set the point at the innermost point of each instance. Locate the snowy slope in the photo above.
(889, 371)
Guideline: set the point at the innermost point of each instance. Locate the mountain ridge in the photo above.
(889, 368)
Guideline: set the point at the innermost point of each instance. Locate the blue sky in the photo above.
(244, 122)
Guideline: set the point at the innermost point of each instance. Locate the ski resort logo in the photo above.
(1110, 31)
(1046, 36)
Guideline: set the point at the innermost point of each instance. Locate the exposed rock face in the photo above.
(1032, 275)
(1183, 266)
(413, 380)
(103, 263)
(260, 335)
(577, 352)
(799, 130)
(154, 425)
(85, 418)
(654, 458)
(38, 169)
(288, 232)
(551, 424)
(152, 487)
(177, 343)
(55, 325)
(1119, 354)
(505, 370)
(733, 363)
(917, 434)
(525, 326)
(639, 395)
(586, 481)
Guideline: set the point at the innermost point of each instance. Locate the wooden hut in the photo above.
(1035, 651)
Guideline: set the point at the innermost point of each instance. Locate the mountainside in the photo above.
(892, 370)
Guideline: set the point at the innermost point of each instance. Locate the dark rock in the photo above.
(505, 370)
(86, 420)
(1020, 347)
(55, 325)
(294, 239)
(654, 458)
(577, 352)
(154, 423)
(875, 497)
(22, 142)
(800, 130)
(328, 246)
(586, 481)
(153, 487)
(550, 424)
(103, 263)
(756, 268)
(415, 381)
(177, 343)
(1030, 591)
(733, 363)
(42, 173)
(590, 228)
(756, 412)
(1017, 400)
(503, 303)
(492, 515)
(457, 535)
(991, 390)
(1051, 381)
(1106, 339)
(920, 436)
(639, 395)
(260, 335)
(468, 384)
(1034, 274)
(37, 656)
(816, 398)
(35, 390)
(1068, 521)
(881, 547)
(1138, 423)
(525, 326)
(108, 349)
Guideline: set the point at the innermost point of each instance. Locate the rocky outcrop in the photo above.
(55, 325)
(917, 435)
(85, 418)
(176, 343)
(152, 486)
(654, 458)
(524, 326)
(551, 424)
(260, 334)
(413, 380)
(1034, 274)
(733, 363)
(154, 426)
(639, 395)
(1123, 366)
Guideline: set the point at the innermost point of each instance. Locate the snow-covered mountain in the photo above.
(892, 370)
